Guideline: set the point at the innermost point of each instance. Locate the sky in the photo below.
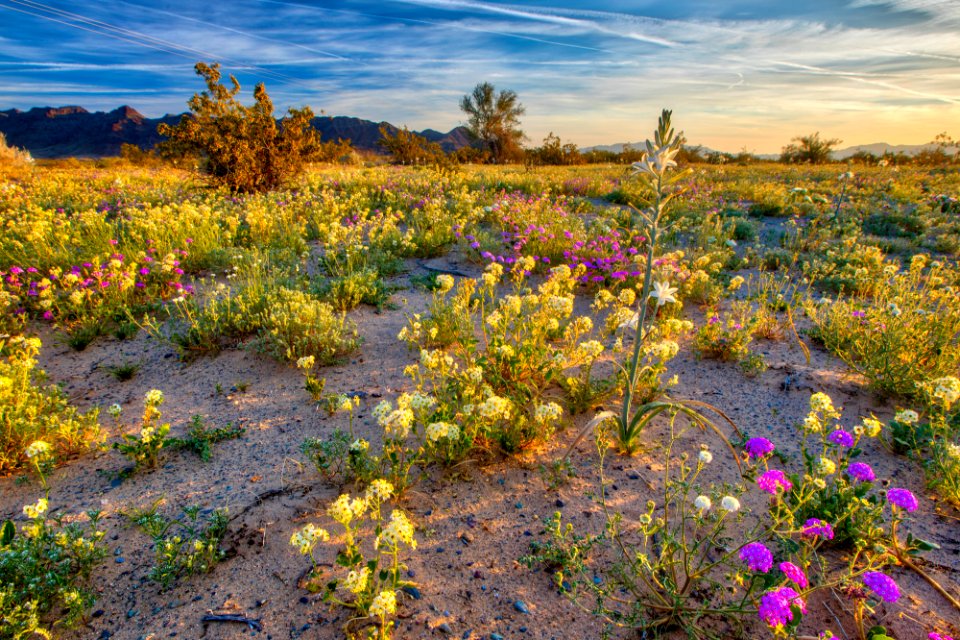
(738, 74)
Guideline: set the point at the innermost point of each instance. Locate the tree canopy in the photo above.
(241, 147)
(810, 149)
(493, 120)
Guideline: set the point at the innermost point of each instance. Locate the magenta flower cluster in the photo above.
(776, 607)
(882, 585)
(773, 480)
(758, 447)
(861, 472)
(795, 574)
(757, 557)
(815, 527)
(842, 438)
(902, 498)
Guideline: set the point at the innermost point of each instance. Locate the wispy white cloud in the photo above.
(587, 74)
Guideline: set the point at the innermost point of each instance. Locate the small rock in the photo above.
(496, 636)
(413, 592)
(445, 628)
(559, 503)
(521, 606)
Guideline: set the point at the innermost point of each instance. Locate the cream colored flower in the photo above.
(38, 449)
(729, 503)
(663, 293)
(356, 581)
(384, 604)
(907, 416)
(35, 510)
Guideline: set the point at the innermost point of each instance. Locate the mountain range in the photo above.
(56, 132)
(877, 149)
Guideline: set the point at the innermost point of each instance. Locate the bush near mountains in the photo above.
(12, 155)
(241, 147)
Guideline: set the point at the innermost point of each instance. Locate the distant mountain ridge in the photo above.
(56, 132)
(876, 148)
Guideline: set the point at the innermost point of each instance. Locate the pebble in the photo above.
(559, 503)
(412, 592)
(445, 628)
(467, 634)
(521, 606)
(496, 636)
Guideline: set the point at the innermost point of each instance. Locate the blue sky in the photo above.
(740, 74)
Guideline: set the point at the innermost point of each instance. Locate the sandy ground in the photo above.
(472, 529)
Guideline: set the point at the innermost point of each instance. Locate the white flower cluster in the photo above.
(344, 510)
(153, 398)
(548, 413)
(438, 430)
(398, 530)
(305, 539)
(496, 408)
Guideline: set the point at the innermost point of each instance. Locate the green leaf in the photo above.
(7, 533)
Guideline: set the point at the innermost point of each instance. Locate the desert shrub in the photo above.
(369, 571)
(726, 339)
(932, 436)
(144, 448)
(45, 571)
(240, 147)
(698, 559)
(295, 325)
(448, 318)
(849, 267)
(31, 409)
(182, 547)
(12, 155)
(908, 332)
(200, 438)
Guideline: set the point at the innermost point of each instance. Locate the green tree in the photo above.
(811, 149)
(494, 121)
(241, 147)
(408, 147)
(552, 151)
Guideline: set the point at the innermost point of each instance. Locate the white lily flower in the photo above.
(663, 293)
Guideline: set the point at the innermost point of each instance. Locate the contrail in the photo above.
(855, 77)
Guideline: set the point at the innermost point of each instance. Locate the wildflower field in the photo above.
(481, 402)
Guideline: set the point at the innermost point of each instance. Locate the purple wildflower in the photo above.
(772, 480)
(816, 527)
(776, 606)
(757, 557)
(795, 574)
(841, 437)
(882, 585)
(861, 472)
(902, 498)
(758, 447)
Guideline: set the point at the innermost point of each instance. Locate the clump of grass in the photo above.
(125, 370)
